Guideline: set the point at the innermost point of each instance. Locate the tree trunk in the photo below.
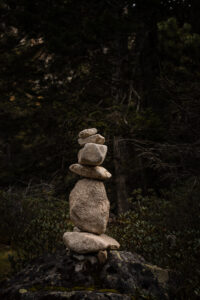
(120, 178)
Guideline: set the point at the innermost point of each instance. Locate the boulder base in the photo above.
(97, 172)
(89, 206)
(84, 242)
(124, 276)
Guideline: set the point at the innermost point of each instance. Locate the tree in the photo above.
(74, 64)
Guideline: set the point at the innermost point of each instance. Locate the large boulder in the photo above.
(97, 172)
(84, 242)
(124, 276)
(92, 154)
(89, 206)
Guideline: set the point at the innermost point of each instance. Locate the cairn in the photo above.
(89, 205)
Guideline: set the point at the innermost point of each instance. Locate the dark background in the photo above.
(129, 68)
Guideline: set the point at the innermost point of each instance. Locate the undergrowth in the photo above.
(32, 223)
(165, 230)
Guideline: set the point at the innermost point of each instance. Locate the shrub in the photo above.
(165, 230)
(34, 222)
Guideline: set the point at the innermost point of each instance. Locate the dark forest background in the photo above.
(132, 70)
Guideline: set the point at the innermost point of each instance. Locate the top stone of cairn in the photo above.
(87, 132)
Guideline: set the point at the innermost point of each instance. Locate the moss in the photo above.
(83, 288)
(32, 289)
(56, 288)
(22, 291)
(49, 288)
(61, 288)
(75, 288)
(108, 291)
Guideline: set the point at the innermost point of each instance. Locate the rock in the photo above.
(90, 172)
(78, 256)
(84, 242)
(87, 132)
(89, 206)
(96, 138)
(92, 154)
(91, 258)
(79, 267)
(102, 256)
(149, 279)
(76, 229)
(70, 295)
(124, 276)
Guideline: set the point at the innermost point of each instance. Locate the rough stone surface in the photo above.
(87, 132)
(97, 172)
(102, 256)
(89, 206)
(125, 276)
(84, 242)
(76, 229)
(92, 154)
(91, 258)
(96, 138)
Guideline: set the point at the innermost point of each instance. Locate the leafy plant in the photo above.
(34, 223)
(165, 230)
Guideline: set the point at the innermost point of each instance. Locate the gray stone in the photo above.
(79, 257)
(92, 154)
(102, 256)
(90, 172)
(92, 259)
(125, 272)
(84, 242)
(89, 206)
(85, 257)
(96, 138)
(79, 267)
(76, 229)
(87, 132)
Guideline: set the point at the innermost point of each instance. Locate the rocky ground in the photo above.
(65, 275)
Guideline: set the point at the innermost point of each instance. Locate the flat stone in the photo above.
(84, 242)
(87, 132)
(90, 172)
(92, 154)
(96, 138)
(89, 206)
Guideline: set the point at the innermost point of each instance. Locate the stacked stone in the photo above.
(89, 205)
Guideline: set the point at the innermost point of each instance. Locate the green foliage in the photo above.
(33, 224)
(179, 47)
(178, 80)
(146, 124)
(165, 230)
